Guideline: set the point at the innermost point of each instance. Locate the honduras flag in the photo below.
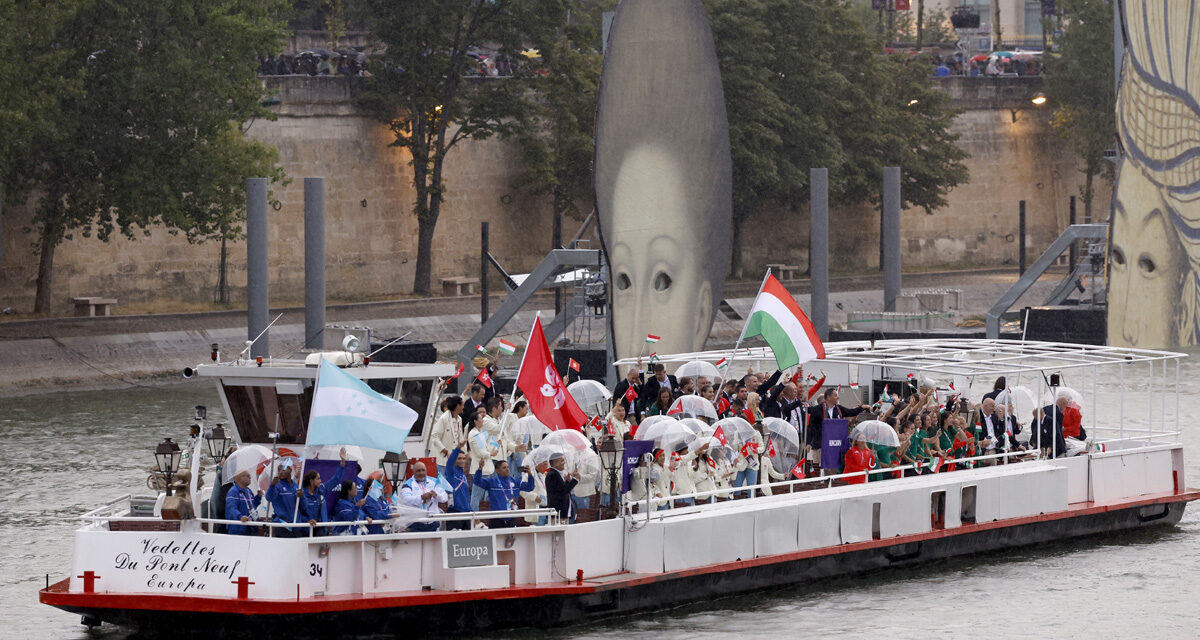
(346, 411)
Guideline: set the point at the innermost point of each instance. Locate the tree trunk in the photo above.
(920, 23)
(424, 274)
(1090, 175)
(45, 274)
(735, 253)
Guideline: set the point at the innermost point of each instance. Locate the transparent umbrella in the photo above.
(694, 405)
(1073, 396)
(667, 434)
(591, 396)
(876, 432)
(650, 420)
(568, 442)
(528, 429)
(254, 458)
(697, 368)
(736, 430)
(783, 429)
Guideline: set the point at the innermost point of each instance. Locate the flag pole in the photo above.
(733, 354)
(304, 453)
(513, 396)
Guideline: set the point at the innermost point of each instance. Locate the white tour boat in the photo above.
(134, 568)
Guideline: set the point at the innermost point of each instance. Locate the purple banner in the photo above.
(634, 449)
(835, 442)
(332, 469)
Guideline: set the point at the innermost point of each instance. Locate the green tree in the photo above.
(144, 131)
(806, 86)
(1080, 85)
(420, 86)
(556, 138)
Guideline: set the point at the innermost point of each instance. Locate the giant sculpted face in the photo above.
(1154, 288)
(663, 175)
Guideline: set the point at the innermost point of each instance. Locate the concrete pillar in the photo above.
(818, 249)
(257, 300)
(891, 237)
(314, 263)
(483, 272)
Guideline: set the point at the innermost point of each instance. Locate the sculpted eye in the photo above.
(662, 281)
(1146, 265)
(1118, 257)
(623, 282)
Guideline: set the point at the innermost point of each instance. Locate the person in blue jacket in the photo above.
(312, 497)
(348, 508)
(240, 503)
(502, 492)
(282, 497)
(460, 488)
(376, 507)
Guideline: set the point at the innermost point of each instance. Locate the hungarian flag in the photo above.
(481, 349)
(854, 386)
(912, 381)
(544, 388)
(798, 471)
(885, 396)
(651, 338)
(937, 465)
(484, 378)
(630, 394)
(507, 348)
(722, 405)
(653, 357)
(573, 364)
(719, 434)
(722, 363)
(778, 319)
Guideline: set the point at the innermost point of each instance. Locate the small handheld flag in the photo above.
(722, 363)
(651, 338)
(458, 372)
(480, 348)
(630, 394)
(573, 364)
(719, 434)
(507, 348)
(653, 357)
(885, 396)
(484, 378)
(771, 450)
(854, 386)
(798, 471)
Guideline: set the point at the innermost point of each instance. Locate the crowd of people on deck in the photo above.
(480, 462)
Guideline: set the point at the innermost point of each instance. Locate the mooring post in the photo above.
(1021, 237)
(818, 249)
(314, 263)
(483, 272)
(1072, 253)
(257, 300)
(891, 237)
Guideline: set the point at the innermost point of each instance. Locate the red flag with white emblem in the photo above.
(719, 434)
(484, 378)
(630, 394)
(544, 389)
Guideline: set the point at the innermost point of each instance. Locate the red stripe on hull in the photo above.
(58, 595)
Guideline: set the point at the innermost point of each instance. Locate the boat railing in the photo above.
(106, 514)
(111, 508)
(668, 504)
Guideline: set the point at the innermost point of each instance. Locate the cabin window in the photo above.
(253, 410)
(383, 386)
(415, 395)
(937, 509)
(968, 505)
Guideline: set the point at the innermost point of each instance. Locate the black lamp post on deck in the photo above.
(395, 467)
(610, 449)
(167, 455)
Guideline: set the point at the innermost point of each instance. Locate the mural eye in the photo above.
(1146, 265)
(1118, 257)
(662, 281)
(623, 282)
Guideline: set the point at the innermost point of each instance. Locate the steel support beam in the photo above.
(1039, 266)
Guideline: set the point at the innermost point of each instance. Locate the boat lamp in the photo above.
(217, 441)
(395, 466)
(167, 454)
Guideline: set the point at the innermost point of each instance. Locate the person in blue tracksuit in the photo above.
(376, 507)
(282, 497)
(312, 497)
(502, 492)
(456, 477)
(348, 508)
(240, 503)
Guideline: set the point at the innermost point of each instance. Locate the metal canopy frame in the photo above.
(950, 356)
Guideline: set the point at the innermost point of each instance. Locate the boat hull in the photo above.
(597, 598)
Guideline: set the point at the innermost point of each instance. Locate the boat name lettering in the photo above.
(469, 552)
(171, 547)
(179, 566)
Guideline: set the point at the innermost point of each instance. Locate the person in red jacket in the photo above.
(859, 458)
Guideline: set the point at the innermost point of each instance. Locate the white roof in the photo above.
(950, 356)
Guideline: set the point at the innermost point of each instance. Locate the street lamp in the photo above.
(217, 441)
(610, 449)
(1038, 99)
(395, 467)
(167, 455)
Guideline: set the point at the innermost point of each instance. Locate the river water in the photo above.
(61, 455)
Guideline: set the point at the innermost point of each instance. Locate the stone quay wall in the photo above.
(371, 245)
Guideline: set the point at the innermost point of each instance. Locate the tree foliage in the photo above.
(1080, 85)
(806, 85)
(420, 90)
(143, 130)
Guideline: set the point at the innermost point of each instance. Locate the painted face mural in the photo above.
(1154, 288)
(663, 175)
